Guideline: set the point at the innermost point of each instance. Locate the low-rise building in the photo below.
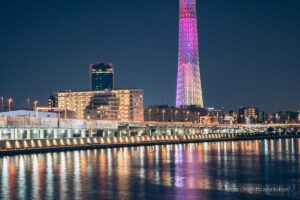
(164, 113)
(248, 115)
(286, 117)
(28, 113)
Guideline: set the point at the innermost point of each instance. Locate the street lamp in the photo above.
(9, 103)
(28, 103)
(187, 115)
(35, 104)
(2, 100)
(164, 115)
(149, 114)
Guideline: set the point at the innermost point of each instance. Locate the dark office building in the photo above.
(52, 101)
(102, 76)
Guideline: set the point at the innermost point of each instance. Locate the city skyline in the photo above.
(267, 79)
(172, 99)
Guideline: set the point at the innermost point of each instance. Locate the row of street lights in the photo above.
(9, 102)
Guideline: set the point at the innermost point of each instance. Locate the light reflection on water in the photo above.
(189, 171)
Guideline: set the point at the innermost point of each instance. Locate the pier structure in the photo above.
(22, 134)
(22, 128)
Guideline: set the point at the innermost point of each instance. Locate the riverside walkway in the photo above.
(27, 135)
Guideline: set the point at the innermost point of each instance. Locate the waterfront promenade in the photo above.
(26, 135)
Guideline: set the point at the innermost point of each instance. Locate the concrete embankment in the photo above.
(13, 147)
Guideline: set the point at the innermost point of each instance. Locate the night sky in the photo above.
(249, 49)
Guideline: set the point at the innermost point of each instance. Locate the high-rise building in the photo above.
(189, 89)
(102, 76)
(121, 104)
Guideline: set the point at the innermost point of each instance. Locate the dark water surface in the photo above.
(266, 169)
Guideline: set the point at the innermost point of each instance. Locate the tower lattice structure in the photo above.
(189, 89)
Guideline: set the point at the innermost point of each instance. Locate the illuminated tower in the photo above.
(189, 90)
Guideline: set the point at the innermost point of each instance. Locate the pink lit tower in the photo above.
(189, 90)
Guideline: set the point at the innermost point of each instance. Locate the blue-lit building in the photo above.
(102, 76)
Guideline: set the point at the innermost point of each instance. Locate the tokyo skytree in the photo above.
(189, 89)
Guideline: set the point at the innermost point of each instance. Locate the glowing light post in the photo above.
(189, 89)
(149, 114)
(2, 101)
(9, 103)
(35, 104)
(28, 103)
(163, 112)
